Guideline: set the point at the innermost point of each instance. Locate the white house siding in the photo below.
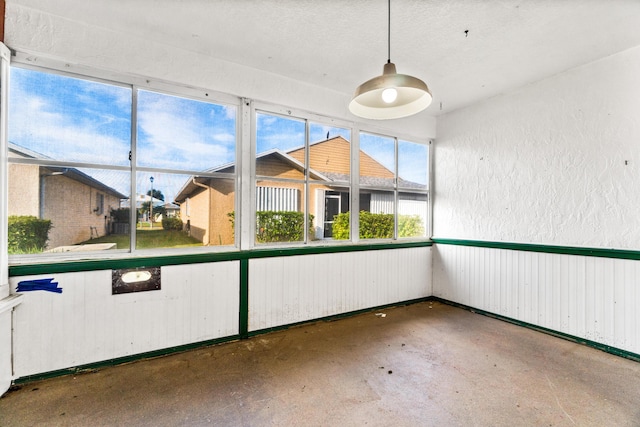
(587, 297)
(294, 289)
(86, 323)
(382, 203)
(277, 199)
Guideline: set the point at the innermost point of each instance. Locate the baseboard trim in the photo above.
(606, 348)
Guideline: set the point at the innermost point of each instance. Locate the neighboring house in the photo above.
(205, 202)
(142, 200)
(171, 209)
(78, 205)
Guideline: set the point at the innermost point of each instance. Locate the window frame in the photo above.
(397, 189)
(134, 84)
(244, 176)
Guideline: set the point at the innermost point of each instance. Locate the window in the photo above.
(69, 143)
(185, 151)
(393, 188)
(98, 165)
(99, 209)
(302, 179)
(413, 187)
(79, 176)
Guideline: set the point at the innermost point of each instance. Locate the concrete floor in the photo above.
(427, 364)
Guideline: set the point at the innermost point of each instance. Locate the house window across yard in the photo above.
(99, 209)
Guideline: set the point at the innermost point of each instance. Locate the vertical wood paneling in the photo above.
(298, 288)
(588, 297)
(86, 324)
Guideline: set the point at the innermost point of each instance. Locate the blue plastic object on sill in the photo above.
(38, 285)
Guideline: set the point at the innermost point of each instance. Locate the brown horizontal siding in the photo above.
(370, 167)
(271, 166)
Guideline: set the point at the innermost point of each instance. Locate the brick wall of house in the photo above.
(196, 211)
(222, 203)
(24, 190)
(70, 205)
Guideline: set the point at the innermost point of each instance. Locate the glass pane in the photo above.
(280, 147)
(75, 209)
(161, 221)
(329, 207)
(413, 165)
(65, 118)
(377, 161)
(330, 153)
(412, 215)
(377, 214)
(280, 212)
(207, 210)
(184, 134)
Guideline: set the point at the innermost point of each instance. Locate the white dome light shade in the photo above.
(413, 96)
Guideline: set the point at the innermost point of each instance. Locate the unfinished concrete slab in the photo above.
(424, 364)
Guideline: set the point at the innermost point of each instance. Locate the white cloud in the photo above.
(172, 137)
(35, 124)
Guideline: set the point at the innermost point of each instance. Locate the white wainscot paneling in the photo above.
(7, 305)
(86, 323)
(298, 288)
(587, 297)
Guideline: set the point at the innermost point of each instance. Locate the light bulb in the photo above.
(389, 95)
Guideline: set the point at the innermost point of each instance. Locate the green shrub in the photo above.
(372, 226)
(172, 223)
(340, 229)
(378, 226)
(28, 234)
(278, 226)
(410, 226)
(281, 226)
(232, 219)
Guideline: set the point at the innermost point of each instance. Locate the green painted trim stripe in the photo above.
(243, 323)
(120, 360)
(159, 261)
(529, 247)
(606, 348)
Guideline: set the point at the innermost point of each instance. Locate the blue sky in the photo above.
(90, 122)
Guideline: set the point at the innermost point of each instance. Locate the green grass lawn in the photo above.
(148, 239)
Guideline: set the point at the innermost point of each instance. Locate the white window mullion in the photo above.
(133, 191)
(246, 172)
(5, 56)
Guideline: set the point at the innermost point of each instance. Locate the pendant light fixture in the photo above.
(391, 95)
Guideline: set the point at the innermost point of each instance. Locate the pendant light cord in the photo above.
(389, 34)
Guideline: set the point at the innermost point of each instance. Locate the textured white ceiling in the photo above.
(465, 50)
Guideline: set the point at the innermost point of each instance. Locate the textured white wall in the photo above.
(57, 37)
(546, 164)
